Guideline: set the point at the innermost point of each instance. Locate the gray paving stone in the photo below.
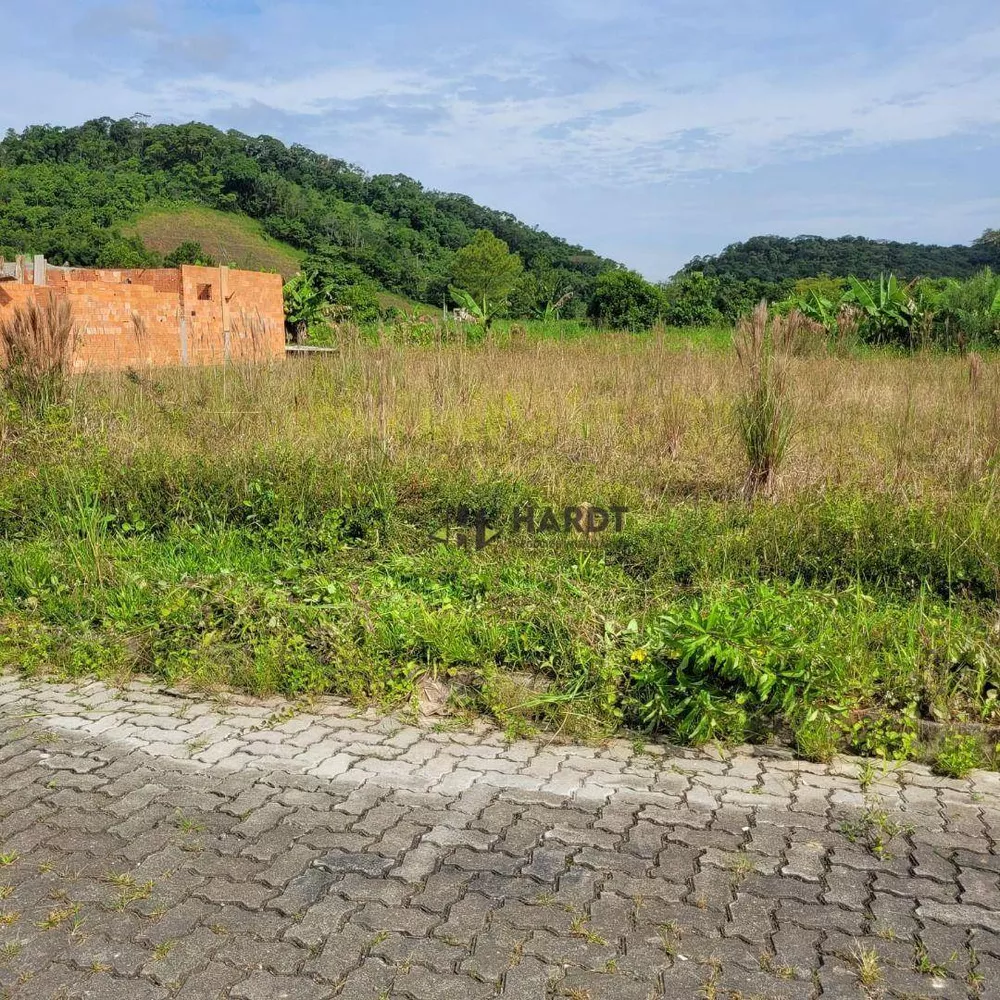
(420, 865)
(266, 986)
(341, 862)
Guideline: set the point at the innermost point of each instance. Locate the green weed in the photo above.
(874, 828)
(958, 755)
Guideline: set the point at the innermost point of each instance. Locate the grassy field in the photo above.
(227, 238)
(273, 528)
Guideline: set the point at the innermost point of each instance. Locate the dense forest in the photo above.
(64, 192)
(779, 258)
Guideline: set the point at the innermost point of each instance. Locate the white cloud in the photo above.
(632, 126)
(313, 94)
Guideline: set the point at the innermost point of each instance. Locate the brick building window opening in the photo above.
(205, 293)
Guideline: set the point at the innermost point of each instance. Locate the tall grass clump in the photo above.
(763, 411)
(796, 335)
(38, 341)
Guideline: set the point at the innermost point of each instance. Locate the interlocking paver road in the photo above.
(156, 846)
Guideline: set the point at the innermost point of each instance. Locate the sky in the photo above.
(647, 130)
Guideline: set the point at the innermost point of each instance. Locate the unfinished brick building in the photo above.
(165, 316)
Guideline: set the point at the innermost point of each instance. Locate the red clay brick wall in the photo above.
(123, 326)
(187, 315)
(257, 314)
(246, 306)
(162, 279)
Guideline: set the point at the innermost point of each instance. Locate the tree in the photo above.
(624, 300)
(348, 290)
(189, 252)
(524, 296)
(690, 300)
(487, 270)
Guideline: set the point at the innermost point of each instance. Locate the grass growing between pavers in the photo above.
(271, 529)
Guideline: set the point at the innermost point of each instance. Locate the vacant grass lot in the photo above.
(270, 527)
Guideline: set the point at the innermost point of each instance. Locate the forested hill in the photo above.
(68, 193)
(779, 258)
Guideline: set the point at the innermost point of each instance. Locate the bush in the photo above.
(720, 665)
(971, 309)
(890, 734)
(358, 303)
(958, 755)
(189, 252)
(343, 286)
(624, 300)
(121, 251)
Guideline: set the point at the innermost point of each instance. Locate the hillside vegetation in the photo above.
(123, 193)
(70, 193)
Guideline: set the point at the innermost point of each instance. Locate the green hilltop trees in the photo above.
(780, 258)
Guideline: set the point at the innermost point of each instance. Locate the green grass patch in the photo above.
(226, 237)
(708, 622)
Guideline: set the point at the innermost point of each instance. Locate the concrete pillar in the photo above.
(41, 278)
(184, 337)
(183, 325)
(224, 299)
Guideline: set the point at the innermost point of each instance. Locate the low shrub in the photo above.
(958, 755)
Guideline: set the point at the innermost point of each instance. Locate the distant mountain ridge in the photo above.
(781, 258)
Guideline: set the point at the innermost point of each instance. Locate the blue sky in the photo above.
(649, 131)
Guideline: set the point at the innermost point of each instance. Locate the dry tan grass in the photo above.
(36, 349)
(650, 417)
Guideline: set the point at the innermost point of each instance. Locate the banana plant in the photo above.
(484, 312)
(889, 308)
(819, 309)
(551, 309)
(305, 304)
